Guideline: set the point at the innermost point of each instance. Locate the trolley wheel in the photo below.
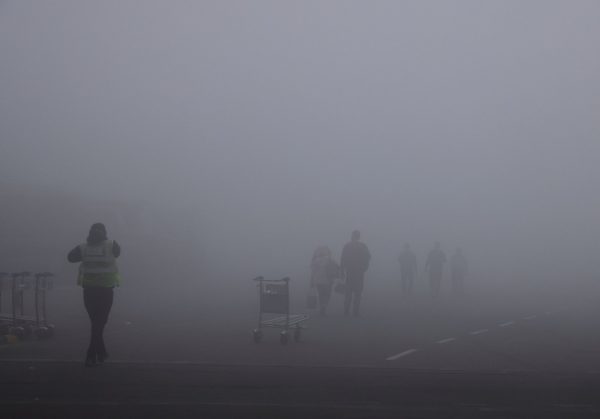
(257, 335)
(284, 337)
(297, 334)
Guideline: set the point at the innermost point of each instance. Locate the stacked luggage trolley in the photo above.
(16, 322)
(274, 302)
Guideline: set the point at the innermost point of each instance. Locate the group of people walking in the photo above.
(99, 274)
(354, 263)
(434, 267)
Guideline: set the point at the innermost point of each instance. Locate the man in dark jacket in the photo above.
(354, 263)
(98, 275)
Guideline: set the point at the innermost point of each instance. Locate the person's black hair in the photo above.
(97, 233)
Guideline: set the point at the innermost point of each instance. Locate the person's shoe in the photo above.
(90, 362)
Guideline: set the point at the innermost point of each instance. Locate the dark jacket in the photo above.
(355, 257)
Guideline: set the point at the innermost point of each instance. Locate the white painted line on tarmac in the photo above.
(401, 354)
(445, 340)
(479, 332)
(505, 324)
(533, 316)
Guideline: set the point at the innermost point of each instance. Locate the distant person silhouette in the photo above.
(408, 270)
(459, 269)
(435, 267)
(98, 275)
(354, 263)
(324, 271)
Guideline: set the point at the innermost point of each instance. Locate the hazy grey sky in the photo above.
(463, 121)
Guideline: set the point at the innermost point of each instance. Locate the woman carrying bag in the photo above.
(324, 271)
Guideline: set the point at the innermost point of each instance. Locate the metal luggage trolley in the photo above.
(274, 298)
(16, 322)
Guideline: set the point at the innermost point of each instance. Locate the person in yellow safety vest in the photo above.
(98, 275)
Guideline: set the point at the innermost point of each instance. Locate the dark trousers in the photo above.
(98, 302)
(406, 280)
(354, 289)
(324, 292)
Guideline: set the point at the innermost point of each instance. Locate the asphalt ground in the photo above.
(477, 356)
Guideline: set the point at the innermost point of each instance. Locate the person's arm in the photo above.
(116, 250)
(74, 255)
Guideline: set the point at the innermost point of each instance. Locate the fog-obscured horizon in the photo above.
(231, 138)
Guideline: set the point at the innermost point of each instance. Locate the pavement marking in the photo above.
(445, 340)
(479, 332)
(506, 324)
(401, 354)
(533, 316)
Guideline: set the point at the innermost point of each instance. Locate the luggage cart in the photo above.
(274, 298)
(19, 324)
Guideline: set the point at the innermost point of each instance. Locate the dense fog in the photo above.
(221, 140)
